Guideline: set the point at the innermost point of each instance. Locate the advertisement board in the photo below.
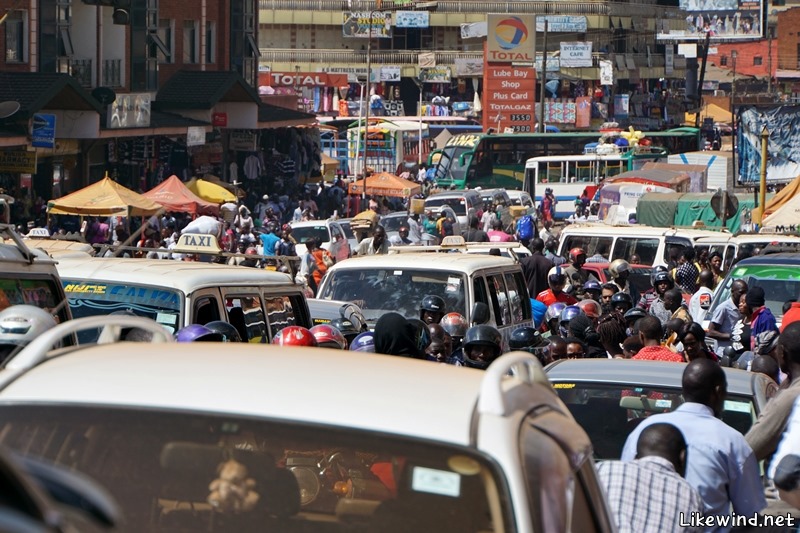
(43, 130)
(302, 79)
(440, 74)
(412, 19)
(576, 54)
(561, 23)
(510, 38)
(17, 161)
(721, 19)
(129, 111)
(510, 98)
(365, 24)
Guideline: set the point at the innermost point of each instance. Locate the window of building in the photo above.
(723, 60)
(166, 45)
(191, 41)
(778, 2)
(211, 41)
(757, 60)
(16, 37)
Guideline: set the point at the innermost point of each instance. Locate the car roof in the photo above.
(602, 266)
(786, 258)
(181, 275)
(308, 223)
(462, 262)
(629, 371)
(368, 391)
(594, 228)
(453, 194)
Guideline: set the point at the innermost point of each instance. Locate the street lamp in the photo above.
(734, 54)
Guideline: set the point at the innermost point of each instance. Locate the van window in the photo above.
(646, 248)
(673, 248)
(516, 282)
(500, 303)
(515, 298)
(42, 293)
(592, 244)
(730, 255)
(206, 310)
(281, 312)
(247, 316)
(479, 288)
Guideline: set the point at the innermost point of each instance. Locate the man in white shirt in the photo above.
(701, 299)
(545, 234)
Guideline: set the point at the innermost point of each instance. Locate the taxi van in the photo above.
(731, 247)
(178, 293)
(29, 276)
(652, 244)
(481, 287)
(431, 448)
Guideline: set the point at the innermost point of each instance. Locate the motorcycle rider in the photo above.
(19, 325)
(328, 336)
(576, 275)
(652, 294)
(529, 340)
(592, 289)
(556, 279)
(226, 329)
(294, 336)
(621, 302)
(395, 335)
(456, 326)
(620, 270)
(482, 345)
(432, 309)
(551, 317)
(569, 312)
(662, 282)
(364, 342)
(197, 333)
(347, 328)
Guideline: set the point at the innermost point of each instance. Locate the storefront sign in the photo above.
(606, 72)
(621, 104)
(553, 64)
(129, 111)
(43, 130)
(474, 30)
(385, 74)
(367, 24)
(435, 75)
(354, 74)
(195, 136)
(510, 38)
(242, 140)
(17, 161)
(576, 54)
(720, 20)
(669, 59)
(302, 79)
(412, 19)
(219, 120)
(426, 59)
(510, 98)
(558, 23)
(469, 68)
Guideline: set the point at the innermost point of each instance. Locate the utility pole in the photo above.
(769, 60)
(734, 54)
(544, 79)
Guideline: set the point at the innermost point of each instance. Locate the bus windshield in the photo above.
(450, 166)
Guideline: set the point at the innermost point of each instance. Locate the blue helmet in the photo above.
(569, 312)
(592, 285)
(198, 333)
(554, 311)
(364, 342)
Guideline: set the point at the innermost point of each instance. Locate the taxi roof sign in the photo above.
(197, 244)
(453, 241)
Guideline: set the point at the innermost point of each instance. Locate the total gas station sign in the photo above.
(509, 98)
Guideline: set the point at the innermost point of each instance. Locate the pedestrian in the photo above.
(725, 317)
(545, 232)
(720, 464)
(474, 233)
(496, 234)
(378, 244)
(761, 318)
(701, 299)
(535, 268)
(650, 493)
(650, 334)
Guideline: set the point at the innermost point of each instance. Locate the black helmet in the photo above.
(482, 335)
(660, 277)
(347, 327)
(622, 298)
(226, 329)
(529, 340)
(634, 314)
(432, 304)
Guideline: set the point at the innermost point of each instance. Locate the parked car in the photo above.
(463, 202)
(362, 443)
(609, 397)
(520, 198)
(329, 233)
(392, 222)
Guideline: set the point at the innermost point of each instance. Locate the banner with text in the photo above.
(366, 24)
(302, 79)
(438, 74)
(510, 38)
(576, 54)
(412, 19)
(509, 95)
(559, 23)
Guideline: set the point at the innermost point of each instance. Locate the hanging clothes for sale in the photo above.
(252, 167)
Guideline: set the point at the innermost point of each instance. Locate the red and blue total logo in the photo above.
(510, 33)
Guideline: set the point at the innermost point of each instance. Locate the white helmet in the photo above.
(617, 267)
(19, 325)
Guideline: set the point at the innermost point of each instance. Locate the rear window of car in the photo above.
(459, 205)
(173, 471)
(610, 412)
(303, 234)
(780, 283)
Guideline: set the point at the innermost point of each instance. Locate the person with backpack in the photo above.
(525, 230)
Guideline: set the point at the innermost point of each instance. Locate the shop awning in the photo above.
(271, 116)
(175, 196)
(385, 184)
(35, 91)
(194, 89)
(210, 192)
(104, 198)
(161, 123)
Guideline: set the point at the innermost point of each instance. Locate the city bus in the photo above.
(498, 160)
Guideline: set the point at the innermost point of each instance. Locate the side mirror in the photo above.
(480, 313)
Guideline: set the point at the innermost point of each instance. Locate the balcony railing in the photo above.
(540, 7)
(112, 73)
(81, 70)
(389, 57)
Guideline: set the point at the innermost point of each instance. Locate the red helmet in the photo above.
(251, 251)
(454, 324)
(294, 336)
(329, 337)
(590, 308)
(575, 252)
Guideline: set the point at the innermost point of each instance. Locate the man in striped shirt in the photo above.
(649, 493)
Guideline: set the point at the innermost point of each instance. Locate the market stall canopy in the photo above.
(712, 111)
(784, 207)
(105, 198)
(238, 191)
(661, 178)
(683, 209)
(385, 184)
(175, 196)
(210, 192)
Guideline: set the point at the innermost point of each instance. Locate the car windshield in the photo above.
(303, 234)
(780, 283)
(459, 205)
(172, 472)
(90, 298)
(380, 290)
(348, 232)
(41, 293)
(609, 412)
(393, 223)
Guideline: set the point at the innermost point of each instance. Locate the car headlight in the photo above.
(308, 482)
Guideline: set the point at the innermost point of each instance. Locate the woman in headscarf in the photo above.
(394, 335)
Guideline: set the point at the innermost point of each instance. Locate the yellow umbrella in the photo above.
(104, 198)
(210, 192)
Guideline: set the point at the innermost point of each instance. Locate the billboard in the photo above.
(723, 20)
(510, 98)
(365, 24)
(783, 147)
(129, 111)
(511, 38)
